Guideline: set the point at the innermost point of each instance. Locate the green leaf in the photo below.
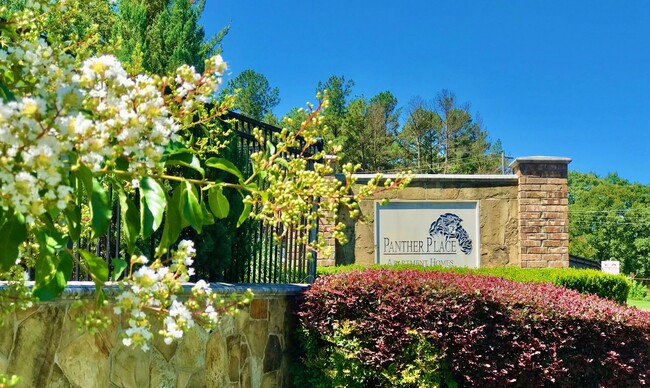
(5, 93)
(73, 218)
(225, 165)
(119, 265)
(53, 265)
(176, 199)
(244, 214)
(12, 234)
(51, 279)
(282, 162)
(100, 207)
(96, 265)
(270, 148)
(130, 219)
(208, 218)
(185, 158)
(218, 202)
(173, 221)
(191, 209)
(152, 205)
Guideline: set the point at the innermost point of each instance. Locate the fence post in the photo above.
(313, 232)
(311, 264)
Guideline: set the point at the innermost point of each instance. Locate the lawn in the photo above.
(641, 304)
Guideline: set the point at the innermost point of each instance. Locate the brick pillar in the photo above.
(543, 211)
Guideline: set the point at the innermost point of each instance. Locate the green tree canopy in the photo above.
(254, 96)
(368, 132)
(338, 91)
(609, 219)
(443, 137)
(158, 36)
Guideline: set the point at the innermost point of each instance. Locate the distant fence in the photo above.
(286, 261)
(644, 281)
(583, 262)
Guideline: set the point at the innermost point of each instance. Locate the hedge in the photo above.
(582, 280)
(382, 327)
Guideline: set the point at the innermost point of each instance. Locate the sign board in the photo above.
(428, 233)
(610, 266)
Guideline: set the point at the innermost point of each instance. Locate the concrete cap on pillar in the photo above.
(539, 160)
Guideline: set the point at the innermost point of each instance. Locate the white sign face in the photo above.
(428, 233)
(611, 266)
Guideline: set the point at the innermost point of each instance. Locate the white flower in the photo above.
(201, 287)
(211, 314)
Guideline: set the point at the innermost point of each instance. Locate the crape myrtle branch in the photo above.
(73, 122)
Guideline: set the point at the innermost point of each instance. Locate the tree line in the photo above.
(609, 219)
(440, 135)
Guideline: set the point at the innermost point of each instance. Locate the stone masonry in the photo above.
(251, 349)
(523, 216)
(497, 197)
(543, 211)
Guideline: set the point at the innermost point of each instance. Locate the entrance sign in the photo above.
(428, 233)
(610, 266)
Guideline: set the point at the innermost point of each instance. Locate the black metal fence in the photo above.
(266, 260)
(285, 261)
(583, 262)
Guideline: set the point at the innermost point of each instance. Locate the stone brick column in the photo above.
(543, 211)
(326, 233)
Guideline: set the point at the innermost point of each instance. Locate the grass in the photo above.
(640, 304)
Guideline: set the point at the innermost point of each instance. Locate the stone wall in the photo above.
(44, 347)
(543, 211)
(497, 197)
(523, 216)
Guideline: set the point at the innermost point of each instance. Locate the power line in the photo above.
(610, 211)
(416, 169)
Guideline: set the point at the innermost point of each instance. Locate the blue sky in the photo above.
(560, 78)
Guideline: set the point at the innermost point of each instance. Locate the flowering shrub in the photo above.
(74, 121)
(488, 330)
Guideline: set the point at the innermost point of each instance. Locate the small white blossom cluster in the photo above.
(153, 288)
(59, 109)
(31, 161)
(193, 90)
(95, 114)
(130, 119)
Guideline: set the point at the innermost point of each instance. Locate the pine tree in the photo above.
(158, 36)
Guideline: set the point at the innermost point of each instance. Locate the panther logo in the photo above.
(449, 226)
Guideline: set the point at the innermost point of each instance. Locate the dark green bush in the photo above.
(582, 280)
(589, 281)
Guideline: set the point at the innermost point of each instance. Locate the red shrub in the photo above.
(492, 331)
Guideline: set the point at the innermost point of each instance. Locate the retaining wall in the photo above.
(44, 347)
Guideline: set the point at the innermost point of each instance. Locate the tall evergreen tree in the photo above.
(368, 132)
(338, 89)
(419, 138)
(254, 96)
(158, 36)
(446, 139)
